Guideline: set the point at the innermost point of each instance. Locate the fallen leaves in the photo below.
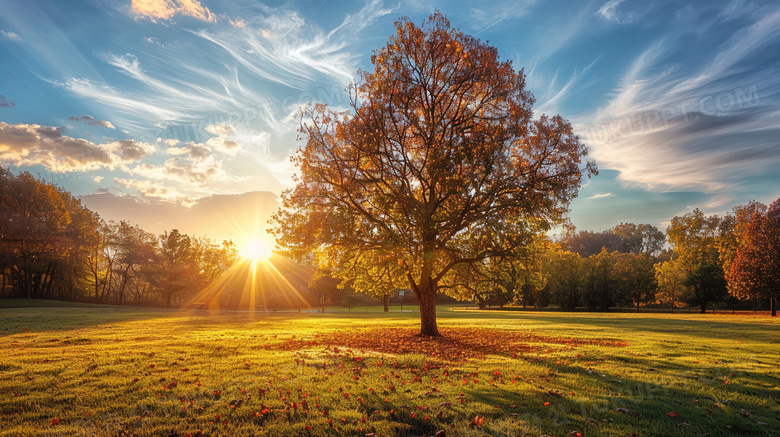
(457, 344)
(476, 422)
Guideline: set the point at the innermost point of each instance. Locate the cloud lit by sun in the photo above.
(256, 249)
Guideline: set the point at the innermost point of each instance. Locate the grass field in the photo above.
(124, 371)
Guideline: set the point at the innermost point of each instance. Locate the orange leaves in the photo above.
(457, 344)
(476, 422)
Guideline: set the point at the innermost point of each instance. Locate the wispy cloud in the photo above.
(599, 196)
(488, 15)
(5, 103)
(550, 104)
(260, 66)
(32, 144)
(11, 35)
(608, 11)
(167, 9)
(700, 127)
(90, 120)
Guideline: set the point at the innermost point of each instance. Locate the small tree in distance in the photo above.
(438, 169)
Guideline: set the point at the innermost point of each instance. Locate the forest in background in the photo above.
(53, 247)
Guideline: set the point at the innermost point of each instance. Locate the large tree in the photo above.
(438, 169)
(696, 240)
(756, 269)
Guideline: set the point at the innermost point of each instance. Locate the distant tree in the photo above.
(708, 284)
(133, 248)
(696, 241)
(599, 282)
(756, 269)
(587, 243)
(734, 229)
(563, 271)
(42, 228)
(177, 266)
(636, 278)
(640, 239)
(670, 277)
(519, 278)
(439, 168)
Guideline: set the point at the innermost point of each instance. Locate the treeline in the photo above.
(53, 247)
(701, 260)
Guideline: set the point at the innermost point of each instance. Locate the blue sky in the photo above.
(164, 102)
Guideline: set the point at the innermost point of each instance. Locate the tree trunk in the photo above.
(773, 306)
(427, 300)
(386, 301)
(703, 306)
(426, 297)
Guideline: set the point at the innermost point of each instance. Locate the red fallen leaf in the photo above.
(546, 404)
(152, 365)
(55, 421)
(476, 423)
(673, 414)
(185, 370)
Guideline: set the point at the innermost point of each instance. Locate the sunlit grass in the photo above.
(104, 371)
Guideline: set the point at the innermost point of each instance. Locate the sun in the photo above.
(256, 249)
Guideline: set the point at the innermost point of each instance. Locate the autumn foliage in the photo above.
(457, 344)
(438, 169)
(756, 268)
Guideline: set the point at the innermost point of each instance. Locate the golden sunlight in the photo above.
(256, 249)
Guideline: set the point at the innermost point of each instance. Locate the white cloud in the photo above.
(166, 9)
(11, 35)
(599, 196)
(32, 144)
(609, 12)
(152, 189)
(191, 164)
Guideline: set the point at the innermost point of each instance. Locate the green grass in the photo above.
(91, 369)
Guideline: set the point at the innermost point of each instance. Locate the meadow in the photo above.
(101, 370)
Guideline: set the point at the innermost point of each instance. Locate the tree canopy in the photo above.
(438, 168)
(756, 268)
